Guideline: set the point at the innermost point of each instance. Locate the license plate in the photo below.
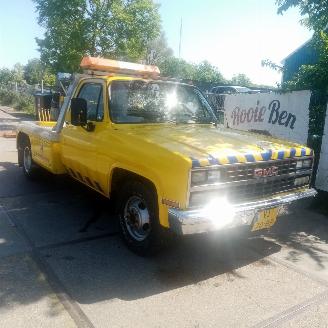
(265, 219)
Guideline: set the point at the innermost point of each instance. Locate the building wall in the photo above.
(306, 55)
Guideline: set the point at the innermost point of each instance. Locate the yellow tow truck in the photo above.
(156, 146)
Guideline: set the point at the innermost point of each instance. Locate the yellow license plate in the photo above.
(265, 219)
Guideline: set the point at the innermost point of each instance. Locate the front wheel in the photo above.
(138, 215)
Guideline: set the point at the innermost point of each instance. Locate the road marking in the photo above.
(293, 312)
(296, 310)
(309, 275)
(77, 241)
(4, 213)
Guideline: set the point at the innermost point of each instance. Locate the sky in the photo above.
(234, 35)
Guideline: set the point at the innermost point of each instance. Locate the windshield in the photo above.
(141, 101)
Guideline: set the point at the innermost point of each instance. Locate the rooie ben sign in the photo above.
(282, 115)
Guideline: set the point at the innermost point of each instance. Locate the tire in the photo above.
(30, 168)
(138, 219)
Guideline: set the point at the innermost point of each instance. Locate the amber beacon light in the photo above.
(97, 64)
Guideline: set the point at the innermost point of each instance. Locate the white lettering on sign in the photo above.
(282, 115)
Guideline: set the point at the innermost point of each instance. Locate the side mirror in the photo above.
(79, 111)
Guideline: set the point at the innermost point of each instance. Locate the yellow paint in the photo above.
(241, 158)
(298, 151)
(160, 153)
(223, 160)
(287, 153)
(204, 162)
(257, 157)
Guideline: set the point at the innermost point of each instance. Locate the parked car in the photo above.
(231, 89)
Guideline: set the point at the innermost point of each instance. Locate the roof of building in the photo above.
(296, 50)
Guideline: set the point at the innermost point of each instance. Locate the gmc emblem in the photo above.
(266, 172)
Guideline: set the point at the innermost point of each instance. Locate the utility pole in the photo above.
(180, 38)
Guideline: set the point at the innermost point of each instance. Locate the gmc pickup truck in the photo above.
(156, 147)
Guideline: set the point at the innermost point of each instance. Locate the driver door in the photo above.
(79, 146)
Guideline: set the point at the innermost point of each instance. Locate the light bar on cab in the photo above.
(118, 67)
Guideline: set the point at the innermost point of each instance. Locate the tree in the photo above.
(14, 75)
(35, 72)
(315, 17)
(242, 80)
(181, 69)
(49, 79)
(110, 28)
(158, 50)
(177, 68)
(6, 76)
(18, 73)
(207, 73)
(314, 12)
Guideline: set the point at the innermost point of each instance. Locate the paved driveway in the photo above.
(62, 264)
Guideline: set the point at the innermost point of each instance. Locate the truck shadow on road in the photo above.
(107, 270)
(70, 228)
(304, 232)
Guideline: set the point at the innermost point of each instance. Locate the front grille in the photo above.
(240, 185)
(262, 189)
(239, 172)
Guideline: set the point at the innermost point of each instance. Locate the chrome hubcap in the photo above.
(136, 218)
(27, 159)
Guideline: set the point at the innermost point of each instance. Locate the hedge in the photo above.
(21, 101)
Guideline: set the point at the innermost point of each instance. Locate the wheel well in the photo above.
(119, 176)
(22, 139)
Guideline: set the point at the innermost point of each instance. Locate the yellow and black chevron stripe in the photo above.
(251, 157)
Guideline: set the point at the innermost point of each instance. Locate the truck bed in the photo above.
(44, 142)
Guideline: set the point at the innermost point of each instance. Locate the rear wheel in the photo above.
(29, 167)
(138, 215)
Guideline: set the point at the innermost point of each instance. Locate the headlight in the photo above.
(202, 177)
(198, 177)
(201, 198)
(213, 176)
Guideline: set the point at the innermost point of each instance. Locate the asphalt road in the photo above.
(62, 264)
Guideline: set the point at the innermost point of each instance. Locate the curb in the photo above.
(9, 112)
(8, 134)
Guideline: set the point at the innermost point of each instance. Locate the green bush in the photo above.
(8, 97)
(21, 101)
(25, 102)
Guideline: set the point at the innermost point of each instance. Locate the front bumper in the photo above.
(186, 222)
